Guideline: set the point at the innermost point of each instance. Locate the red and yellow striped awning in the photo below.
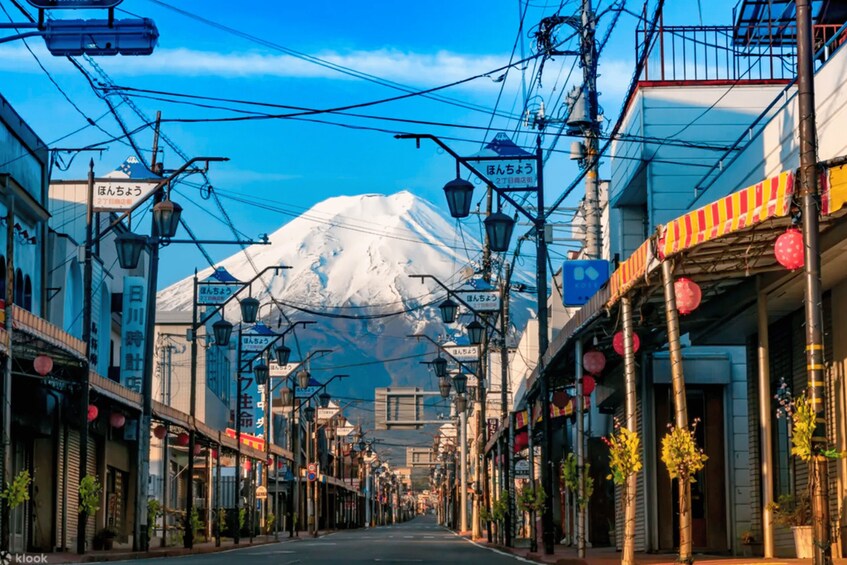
(768, 199)
(833, 189)
(522, 417)
(630, 271)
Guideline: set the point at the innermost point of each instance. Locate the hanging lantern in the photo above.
(460, 381)
(197, 449)
(521, 441)
(270, 461)
(475, 332)
(617, 343)
(498, 228)
(286, 396)
(223, 331)
(92, 412)
(117, 420)
(560, 399)
(248, 465)
(213, 453)
(323, 399)
(588, 385)
(440, 365)
(182, 439)
(309, 413)
(160, 431)
(303, 379)
(688, 295)
(448, 310)
(594, 362)
(249, 310)
(261, 371)
(166, 216)
(129, 246)
(789, 249)
(459, 193)
(283, 354)
(43, 364)
(444, 387)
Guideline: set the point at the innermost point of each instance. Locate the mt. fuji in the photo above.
(350, 258)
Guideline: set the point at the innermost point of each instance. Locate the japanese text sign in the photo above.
(133, 334)
(481, 300)
(581, 279)
(113, 195)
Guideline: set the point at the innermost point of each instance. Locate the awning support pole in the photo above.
(765, 421)
(630, 489)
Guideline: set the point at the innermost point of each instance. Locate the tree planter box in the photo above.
(803, 541)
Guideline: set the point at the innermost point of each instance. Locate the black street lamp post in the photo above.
(499, 230)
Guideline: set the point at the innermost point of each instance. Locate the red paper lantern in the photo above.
(270, 461)
(594, 362)
(588, 385)
(43, 364)
(617, 343)
(789, 249)
(248, 465)
(521, 441)
(197, 449)
(117, 420)
(560, 399)
(182, 439)
(160, 431)
(688, 295)
(213, 453)
(92, 412)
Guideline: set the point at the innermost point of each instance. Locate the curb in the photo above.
(176, 552)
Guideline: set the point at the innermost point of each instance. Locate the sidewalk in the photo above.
(122, 554)
(564, 555)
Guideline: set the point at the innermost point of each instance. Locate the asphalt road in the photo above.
(418, 541)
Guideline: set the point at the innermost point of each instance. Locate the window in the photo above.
(27, 302)
(19, 287)
(2, 278)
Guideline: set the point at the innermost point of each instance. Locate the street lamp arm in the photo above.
(162, 183)
(219, 307)
(443, 350)
(455, 295)
(324, 385)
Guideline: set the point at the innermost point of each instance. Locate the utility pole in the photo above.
(504, 400)
(588, 48)
(809, 194)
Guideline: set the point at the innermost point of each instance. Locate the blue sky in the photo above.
(291, 165)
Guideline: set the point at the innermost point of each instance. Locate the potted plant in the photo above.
(89, 496)
(749, 545)
(104, 539)
(570, 478)
(16, 492)
(795, 511)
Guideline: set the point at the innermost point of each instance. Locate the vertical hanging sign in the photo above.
(133, 333)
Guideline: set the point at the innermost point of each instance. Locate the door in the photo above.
(708, 493)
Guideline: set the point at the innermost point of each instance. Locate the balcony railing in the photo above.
(718, 53)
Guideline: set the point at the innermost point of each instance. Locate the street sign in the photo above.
(481, 300)
(506, 165)
(581, 279)
(277, 370)
(116, 195)
(313, 467)
(255, 342)
(261, 493)
(73, 38)
(72, 4)
(463, 352)
(522, 469)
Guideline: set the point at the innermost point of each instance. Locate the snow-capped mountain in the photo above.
(350, 258)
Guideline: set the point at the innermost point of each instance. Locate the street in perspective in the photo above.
(423, 282)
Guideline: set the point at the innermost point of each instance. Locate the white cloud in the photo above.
(405, 67)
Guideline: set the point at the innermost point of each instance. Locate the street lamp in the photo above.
(129, 247)
(223, 332)
(309, 413)
(459, 193)
(460, 381)
(448, 310)
(444, 387)
(498, 228)
(285, 395)
(461, 405)
(440, 364)
(475, 332)
(283, 353)
(166, 214)
(303, 379)
(262, 372)
(249, 310)
(323, 399)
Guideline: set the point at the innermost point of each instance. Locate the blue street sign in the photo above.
(582, 279)
(98, 37)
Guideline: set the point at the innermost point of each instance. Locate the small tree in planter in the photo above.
(89, 496)
(570, 477)
(625, 462)
(17, 492)
(154, 511)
